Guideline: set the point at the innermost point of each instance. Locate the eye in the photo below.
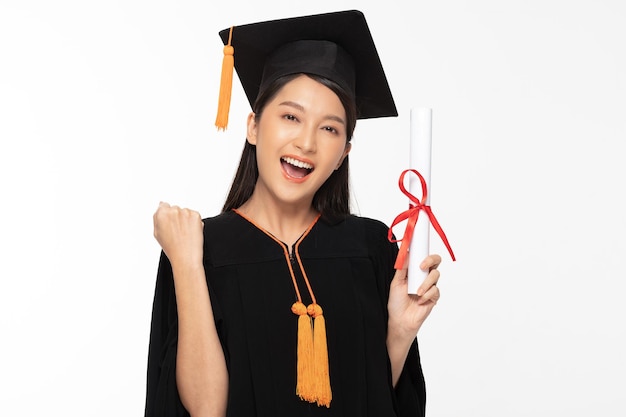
(331, 129)
(291, 117)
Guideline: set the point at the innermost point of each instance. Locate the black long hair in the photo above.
(332, 200)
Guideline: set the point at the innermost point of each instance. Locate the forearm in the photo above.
(398, 345)
(201, 374)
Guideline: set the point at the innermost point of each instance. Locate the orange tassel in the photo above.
(323, 393)
(226, 85)
(305, 383)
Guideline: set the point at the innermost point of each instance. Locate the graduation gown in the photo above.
(349, 265)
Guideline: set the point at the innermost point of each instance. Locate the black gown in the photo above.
(350, 266)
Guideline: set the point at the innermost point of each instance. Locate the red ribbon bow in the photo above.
(411, 215)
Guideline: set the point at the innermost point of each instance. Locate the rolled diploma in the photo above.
(419, 154)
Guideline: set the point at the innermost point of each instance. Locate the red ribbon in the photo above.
(411, 215)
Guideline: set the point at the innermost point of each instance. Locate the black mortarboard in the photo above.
(337, 45)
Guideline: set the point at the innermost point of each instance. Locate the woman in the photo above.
(222, 340)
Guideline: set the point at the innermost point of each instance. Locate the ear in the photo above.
(345, 153)
(251, 131)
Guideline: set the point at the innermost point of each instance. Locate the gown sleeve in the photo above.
(161, 392)
(410, 391)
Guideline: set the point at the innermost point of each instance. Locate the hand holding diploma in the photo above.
(408, 312)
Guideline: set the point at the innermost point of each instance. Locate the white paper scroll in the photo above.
(420, 155)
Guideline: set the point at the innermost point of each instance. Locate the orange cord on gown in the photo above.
(313, 381)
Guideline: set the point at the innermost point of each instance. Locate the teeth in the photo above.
(297, 163)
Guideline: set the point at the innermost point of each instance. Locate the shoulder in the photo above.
(376, 238)
(222, 221)
(231, 239)
(366, 223)
(350, 236)
(360, 226)
(220, 236)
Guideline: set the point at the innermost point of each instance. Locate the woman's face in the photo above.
(300, 139)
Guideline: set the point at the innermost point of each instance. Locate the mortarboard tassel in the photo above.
(226, 85)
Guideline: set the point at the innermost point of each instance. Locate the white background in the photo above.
(107, 107)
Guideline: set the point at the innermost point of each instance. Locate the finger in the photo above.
(164, 214)
(430, 262)
(163, 206)
(431, 296)
(197, 218)
(156, 214)
(430, 281)
(160, 206)
(191, 214)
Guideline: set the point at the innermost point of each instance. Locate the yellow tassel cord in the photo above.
(226, 85)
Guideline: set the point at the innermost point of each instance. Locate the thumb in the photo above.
(400, 277)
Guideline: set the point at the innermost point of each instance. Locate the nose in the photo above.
(306, 140)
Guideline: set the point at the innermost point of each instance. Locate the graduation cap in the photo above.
(337, 46)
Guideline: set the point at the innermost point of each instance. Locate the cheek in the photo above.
(330, 163)
(339, 156)
(262, 155)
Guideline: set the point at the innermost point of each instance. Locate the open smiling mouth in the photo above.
(295, 168)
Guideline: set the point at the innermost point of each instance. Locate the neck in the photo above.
(286, 222)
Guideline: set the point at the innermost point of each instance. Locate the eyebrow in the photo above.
(300, 108)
